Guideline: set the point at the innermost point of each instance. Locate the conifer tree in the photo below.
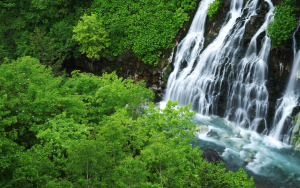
(3, 54)
(43, 49)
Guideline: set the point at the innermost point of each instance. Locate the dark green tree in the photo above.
(43, 48)
(3, 54)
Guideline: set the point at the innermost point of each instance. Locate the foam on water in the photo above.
(270, 161)
(260, 155)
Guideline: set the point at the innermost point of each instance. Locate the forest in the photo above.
(89, 131)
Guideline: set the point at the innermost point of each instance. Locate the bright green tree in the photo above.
(108, 93)
(284, 23)
(89, 164)
(29, 97)
(44, 163)
(91, 36)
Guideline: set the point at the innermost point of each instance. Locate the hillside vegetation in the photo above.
(143, 27)
(89, 131)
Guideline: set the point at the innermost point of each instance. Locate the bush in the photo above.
(213, 9)
(145, 27)
(284, 24)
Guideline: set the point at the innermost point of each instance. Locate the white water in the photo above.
(248, 96)
(201, 80)
(290, 99)
(271, 162)
(189, 48)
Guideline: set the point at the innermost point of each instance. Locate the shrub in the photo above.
(143, 27)
(284, 24)
(214, 8)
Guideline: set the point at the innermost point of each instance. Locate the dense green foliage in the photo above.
(42, 48)
(295, 139)
(91, 36)
(80, 132)
(3, 54)
(214, 8)
(284, 23)
(145, 27)
(56, 18)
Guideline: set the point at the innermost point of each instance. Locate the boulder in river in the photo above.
(210, 155)
(213, 134)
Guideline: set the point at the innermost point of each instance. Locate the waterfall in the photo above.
(201, 80)
(290, 98)
(247, 102)
(188, 49)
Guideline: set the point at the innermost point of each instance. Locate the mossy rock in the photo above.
(295, 138)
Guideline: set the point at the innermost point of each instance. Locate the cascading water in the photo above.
(201, 85)
(189, 48)
(248, 96)
(290, 98)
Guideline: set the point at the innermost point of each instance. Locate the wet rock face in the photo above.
(279, 68)
(212, 28)
(256, 22)
(210, 155)
(213, 134)
(251, 28)
(277, 2)
(127, 66)
(280, 65)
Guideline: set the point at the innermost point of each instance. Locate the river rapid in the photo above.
(272, 163)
